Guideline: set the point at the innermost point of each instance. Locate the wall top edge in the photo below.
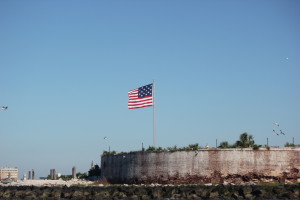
(215, 149)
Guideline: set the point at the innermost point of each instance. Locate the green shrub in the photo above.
(151, 148)
(256, 147)
(291, 145)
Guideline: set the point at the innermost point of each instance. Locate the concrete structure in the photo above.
(6, 172)
(29, 175)
(74, 172)
(204, 165)
(53, 174)
(33, 175)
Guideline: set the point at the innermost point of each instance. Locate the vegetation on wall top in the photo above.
(245, 141)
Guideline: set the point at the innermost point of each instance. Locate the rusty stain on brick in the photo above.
(203, 166)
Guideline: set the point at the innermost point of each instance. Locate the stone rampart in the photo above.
(202, 166)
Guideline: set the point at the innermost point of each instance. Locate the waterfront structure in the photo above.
(53, 174)
(203, 165)
(8, 173)
(74, 172)
(33, 175)
(29, 175)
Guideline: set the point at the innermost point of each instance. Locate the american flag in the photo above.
(140, 97)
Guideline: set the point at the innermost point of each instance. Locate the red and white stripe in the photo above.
(135, 102)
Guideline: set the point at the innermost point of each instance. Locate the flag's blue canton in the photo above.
(145, 91)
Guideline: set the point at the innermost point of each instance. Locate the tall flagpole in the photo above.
(154, 117)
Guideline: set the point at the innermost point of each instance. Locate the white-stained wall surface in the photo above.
(200, 166)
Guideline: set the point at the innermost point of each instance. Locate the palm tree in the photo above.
(224, 144)
(245, 141)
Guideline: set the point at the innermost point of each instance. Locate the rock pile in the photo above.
(134, 192)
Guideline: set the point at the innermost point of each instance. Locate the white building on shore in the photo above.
(8, 173)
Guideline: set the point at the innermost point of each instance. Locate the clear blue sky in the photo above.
(221, 68)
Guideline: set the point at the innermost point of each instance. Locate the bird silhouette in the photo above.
(275, 132)
(282, 132)
(4, 107)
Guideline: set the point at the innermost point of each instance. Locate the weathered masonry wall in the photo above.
(205, 165)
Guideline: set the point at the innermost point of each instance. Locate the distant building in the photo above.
(6, 172)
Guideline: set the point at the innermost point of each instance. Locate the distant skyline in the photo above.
(221, 68)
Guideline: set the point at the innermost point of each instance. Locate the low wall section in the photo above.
(205, 165)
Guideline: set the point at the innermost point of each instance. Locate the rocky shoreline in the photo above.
(153, 191)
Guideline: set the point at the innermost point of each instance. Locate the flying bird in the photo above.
(276, 124)
(4, 107)
(282, 132)
(105, 138)
(275, 132)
